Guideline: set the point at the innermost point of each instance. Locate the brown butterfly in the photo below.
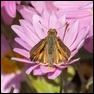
(50, 50)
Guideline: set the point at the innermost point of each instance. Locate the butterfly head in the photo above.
(52, 32)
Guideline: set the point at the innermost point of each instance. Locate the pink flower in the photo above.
(73, 5)
(30, 33)
(37, 8)
(11, 75)
(88, 45)
(8, 11)
(82, 10)
(40, 6)
(10, 7)
(24, 10)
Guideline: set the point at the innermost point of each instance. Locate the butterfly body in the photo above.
(50, 50)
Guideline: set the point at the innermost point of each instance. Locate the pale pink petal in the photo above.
(38, 30)
(24, 10)
(7, 90)
(29, 70)
(22, 60)
(22, 43)
(52, 20)
(74, 60)
(37, 71)
(16, 88)
(74, 51)
(45, 69)
(62, 66)
(10, 7)
(87, 5)
(80, 44)
(23, 52)
(60, 22)
(77, 13)
(42, 24)
(18, 30)
(68, 5)
(60, 26)
(29, 31)
(46, 15)
(50, 6)
(39, 6)
(81, 35)
(54, 74)
(5, 81)
(68, 63)
(71, 35)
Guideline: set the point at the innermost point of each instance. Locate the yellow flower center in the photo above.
(8, 66)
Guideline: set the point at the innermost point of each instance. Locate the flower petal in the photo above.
(29, 70)
(11, 8)
(18, 30)
(22, 52)
(24, 10)
(52, 20)
(45, 69)
(37, 71)
(81, 35)
(39, 6)
(54, 74)
(71, 34)
(37, 27)
(60, 22)
(45, 16)
(22, 60)
(22, 43)
(16, 88)
(26, 26)
(87, 5)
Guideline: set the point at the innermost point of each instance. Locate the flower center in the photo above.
(8, 66)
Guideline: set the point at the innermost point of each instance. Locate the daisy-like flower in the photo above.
(29, 34)
(88, 44)
(10, 7)
(24, 10)
(8, 10)
(82, 10)
(37, 8)
(11, 72)
(40, 6)
(73, 5)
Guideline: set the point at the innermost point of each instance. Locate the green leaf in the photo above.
(42, 86)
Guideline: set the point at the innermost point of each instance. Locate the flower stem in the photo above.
(28, 80)
(83, 81)
(63, 81)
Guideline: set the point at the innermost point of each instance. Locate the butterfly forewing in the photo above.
(36, 53)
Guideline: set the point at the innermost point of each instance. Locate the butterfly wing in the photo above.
(37, 52)
(62, 51)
